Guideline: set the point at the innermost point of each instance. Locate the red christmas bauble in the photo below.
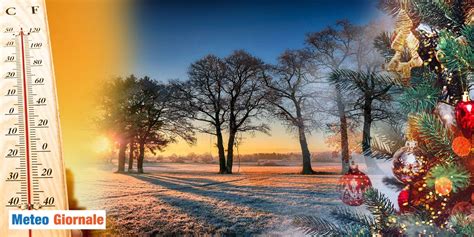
(404, 200)
(353, 185)
(465, 208)
(465, 116)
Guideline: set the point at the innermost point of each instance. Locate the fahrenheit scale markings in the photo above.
(31, 166)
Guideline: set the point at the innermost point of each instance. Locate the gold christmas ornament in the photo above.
(404, 42)
(443, 186)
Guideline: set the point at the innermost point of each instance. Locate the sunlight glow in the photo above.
(102, 144)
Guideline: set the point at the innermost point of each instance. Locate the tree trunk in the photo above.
(343, 129)
(141, 157)
(221, 151)
(130, 156)
(372, 166)
(307, 169)
(230, 152)
(121, 157)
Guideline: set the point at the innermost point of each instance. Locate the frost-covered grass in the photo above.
(192, 199)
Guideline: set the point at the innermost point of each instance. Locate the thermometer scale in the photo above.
(32, 173)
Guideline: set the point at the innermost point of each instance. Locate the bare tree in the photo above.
(371, 91)
(224, 95)
(156, 121)
(373, 100)
(116, 104)
(245, 94)
(332, 49)
(292, 92)
(203, 97)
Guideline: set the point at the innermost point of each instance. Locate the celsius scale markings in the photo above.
(32, 174)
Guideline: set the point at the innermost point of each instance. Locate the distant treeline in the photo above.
(262, 158)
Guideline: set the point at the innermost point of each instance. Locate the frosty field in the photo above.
(193, 199)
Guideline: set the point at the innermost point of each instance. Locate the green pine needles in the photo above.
(457, 52)
(316, 226)
(421, 98)
(435, 135)
(458, 175)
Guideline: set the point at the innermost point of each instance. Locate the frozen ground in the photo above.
(191, 199)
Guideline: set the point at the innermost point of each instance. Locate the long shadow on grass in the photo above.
(256, 198)
(218, 214)
(267, 192)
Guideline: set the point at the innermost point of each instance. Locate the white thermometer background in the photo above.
(32, 173)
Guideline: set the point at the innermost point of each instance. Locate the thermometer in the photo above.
(32, 173)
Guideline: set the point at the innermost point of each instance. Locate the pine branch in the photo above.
(391, 7)
(457, 54)
(383, 44)
(435, 135)
(468, 32)
(440, 14)
(435, 13)
(312, 225)
(382, 210)
(418, 99)
(379, 150)
(351, 80)
(384, 146)
(352, 217)
(462, 224)
(457, 174)
(316, 226)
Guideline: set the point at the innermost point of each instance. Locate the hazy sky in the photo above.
(171, 34)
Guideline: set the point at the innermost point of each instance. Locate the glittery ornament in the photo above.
(409, 162)
(353, 185)
(443, 186)
(461, 146)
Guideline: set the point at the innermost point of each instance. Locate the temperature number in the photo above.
(14, 201)
(10, 74)
(11, 92)
(35, 30)
(47, 172)
(41, 100)
(48, 201)
(36, 45)
(13, 176)
(10, 59)
(12, 131)
(39, 80)
(42, 122)
(12, 152)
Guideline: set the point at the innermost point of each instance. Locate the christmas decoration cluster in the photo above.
(434, 41)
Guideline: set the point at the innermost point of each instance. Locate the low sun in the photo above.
(102, 144)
